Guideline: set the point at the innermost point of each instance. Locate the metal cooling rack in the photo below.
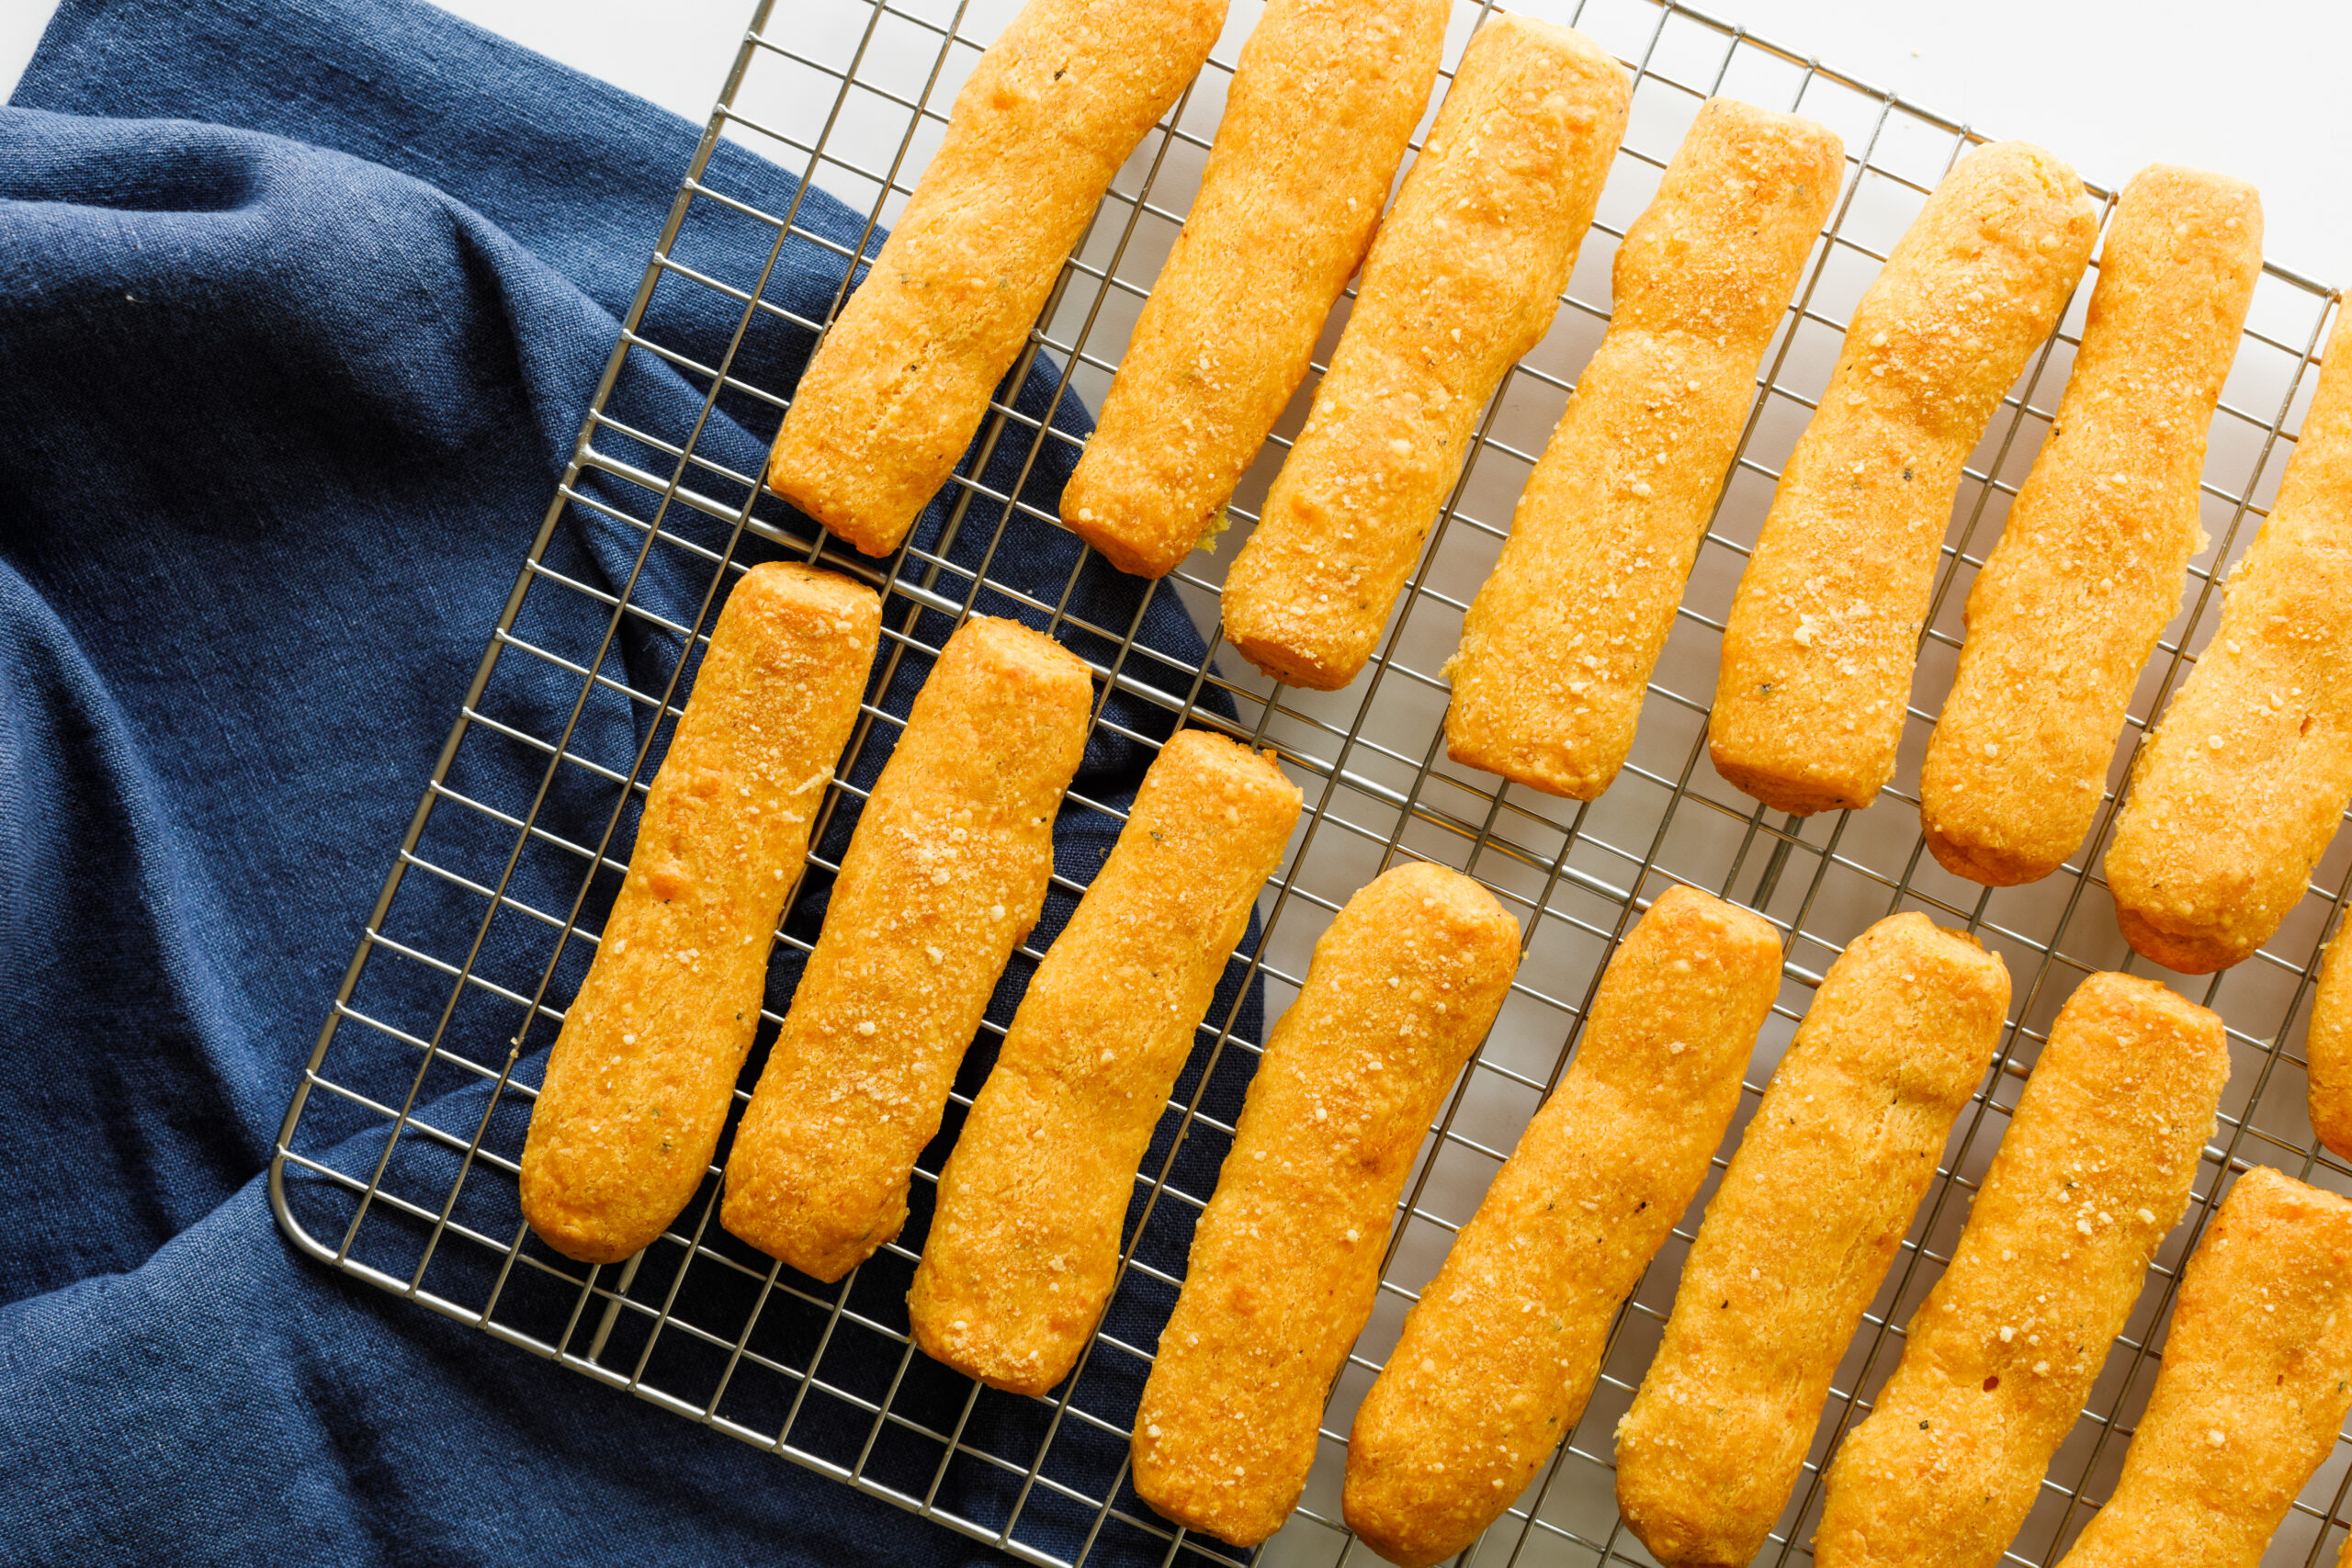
(397, 1160)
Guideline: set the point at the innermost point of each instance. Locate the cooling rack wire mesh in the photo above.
(397, 1162)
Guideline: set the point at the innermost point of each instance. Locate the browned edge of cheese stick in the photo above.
(1800, 1235)
(1023, 1247)
(639, 1084)
(1287, 1257)
(902, 379)
(1557, 648)
(2254, 1386)
(1825, 626)
(2235, 797)
(1500, 1355)
(2327, 1049)
(945, 874)
(1316, 119)
(1464, 280)
(2090, 564)
(2093, 1171)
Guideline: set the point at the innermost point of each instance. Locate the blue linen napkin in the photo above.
(300, 304)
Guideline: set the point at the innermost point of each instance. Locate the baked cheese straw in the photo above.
(1825, 626)
(2093, 1171)
(2327, 1049)
(1800, 1235)
(638, 1086)
(1557, 648)
(1464, 280)
(1287, 1259)
(2236, 795)
(1024, 1244)
(2089, 568)
(1499, 1356)
(945, 874)
(903, 379)
(1325, 97)
(2255, 1383)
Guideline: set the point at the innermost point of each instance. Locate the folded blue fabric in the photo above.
(300, 304)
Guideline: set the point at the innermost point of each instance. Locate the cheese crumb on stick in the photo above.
(946, 873)
(1024, 1244)
(639, 1083)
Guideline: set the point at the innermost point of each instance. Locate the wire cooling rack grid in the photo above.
(852, 94)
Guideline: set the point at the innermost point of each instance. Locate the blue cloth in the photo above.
(300, 304)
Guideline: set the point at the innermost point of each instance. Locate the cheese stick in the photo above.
(945, 876)
(1800, 1235)
(1287, 1259)
(1024, 1245)
(1464, 280)
(1500, 1355)
(2327, 1049)
(2094, 1172)
(903, 379)
(638, 1086)
(2237, 792)
(2070, 601)
(1557, 648)
(1325, 97)
(1824, 626)
(2256, 1381)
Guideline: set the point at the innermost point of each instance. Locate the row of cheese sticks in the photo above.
(2242, 784)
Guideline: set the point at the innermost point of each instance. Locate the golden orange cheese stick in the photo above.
(638, 1086)
(1462, 279)
(2237, 794)
(945, 874)
(2089, 567)
(1500, 1353)
(1024, 1246)
(1557, 648)
(1800, 1235)
(2095, 1170)
(1325, 97)
(2255, 1383)
(1286, 1259)
(1825, 626)
(903, 379)
(2327, 1049)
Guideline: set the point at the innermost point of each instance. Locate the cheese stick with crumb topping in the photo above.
(2256, 1381)
(1024, 1245)
(637, 1087)
(1287, 1259)
(1801, 1234)
(1557, 651)
(945, 874)
(900, 383)
(1825, 626)
(2089, 567)
(2236, 795)
(1326, 94)
(1500, 1355)
(2327, 1050)
(1462, 279)
(2094, 1172)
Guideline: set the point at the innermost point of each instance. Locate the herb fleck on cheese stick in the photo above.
(639, 1084)
(1287, 1259)
(1558, 649)
(1464, 280)
(945, 876)
(1800, 1235)
(1023, 1249)
(1500, 1354)
(2089, 568)
(2256, 1381)
(2093, 1171)
(2237, 792)
(1319, 115)
(2327, 1049)
(901, 382)
(1825, 626)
